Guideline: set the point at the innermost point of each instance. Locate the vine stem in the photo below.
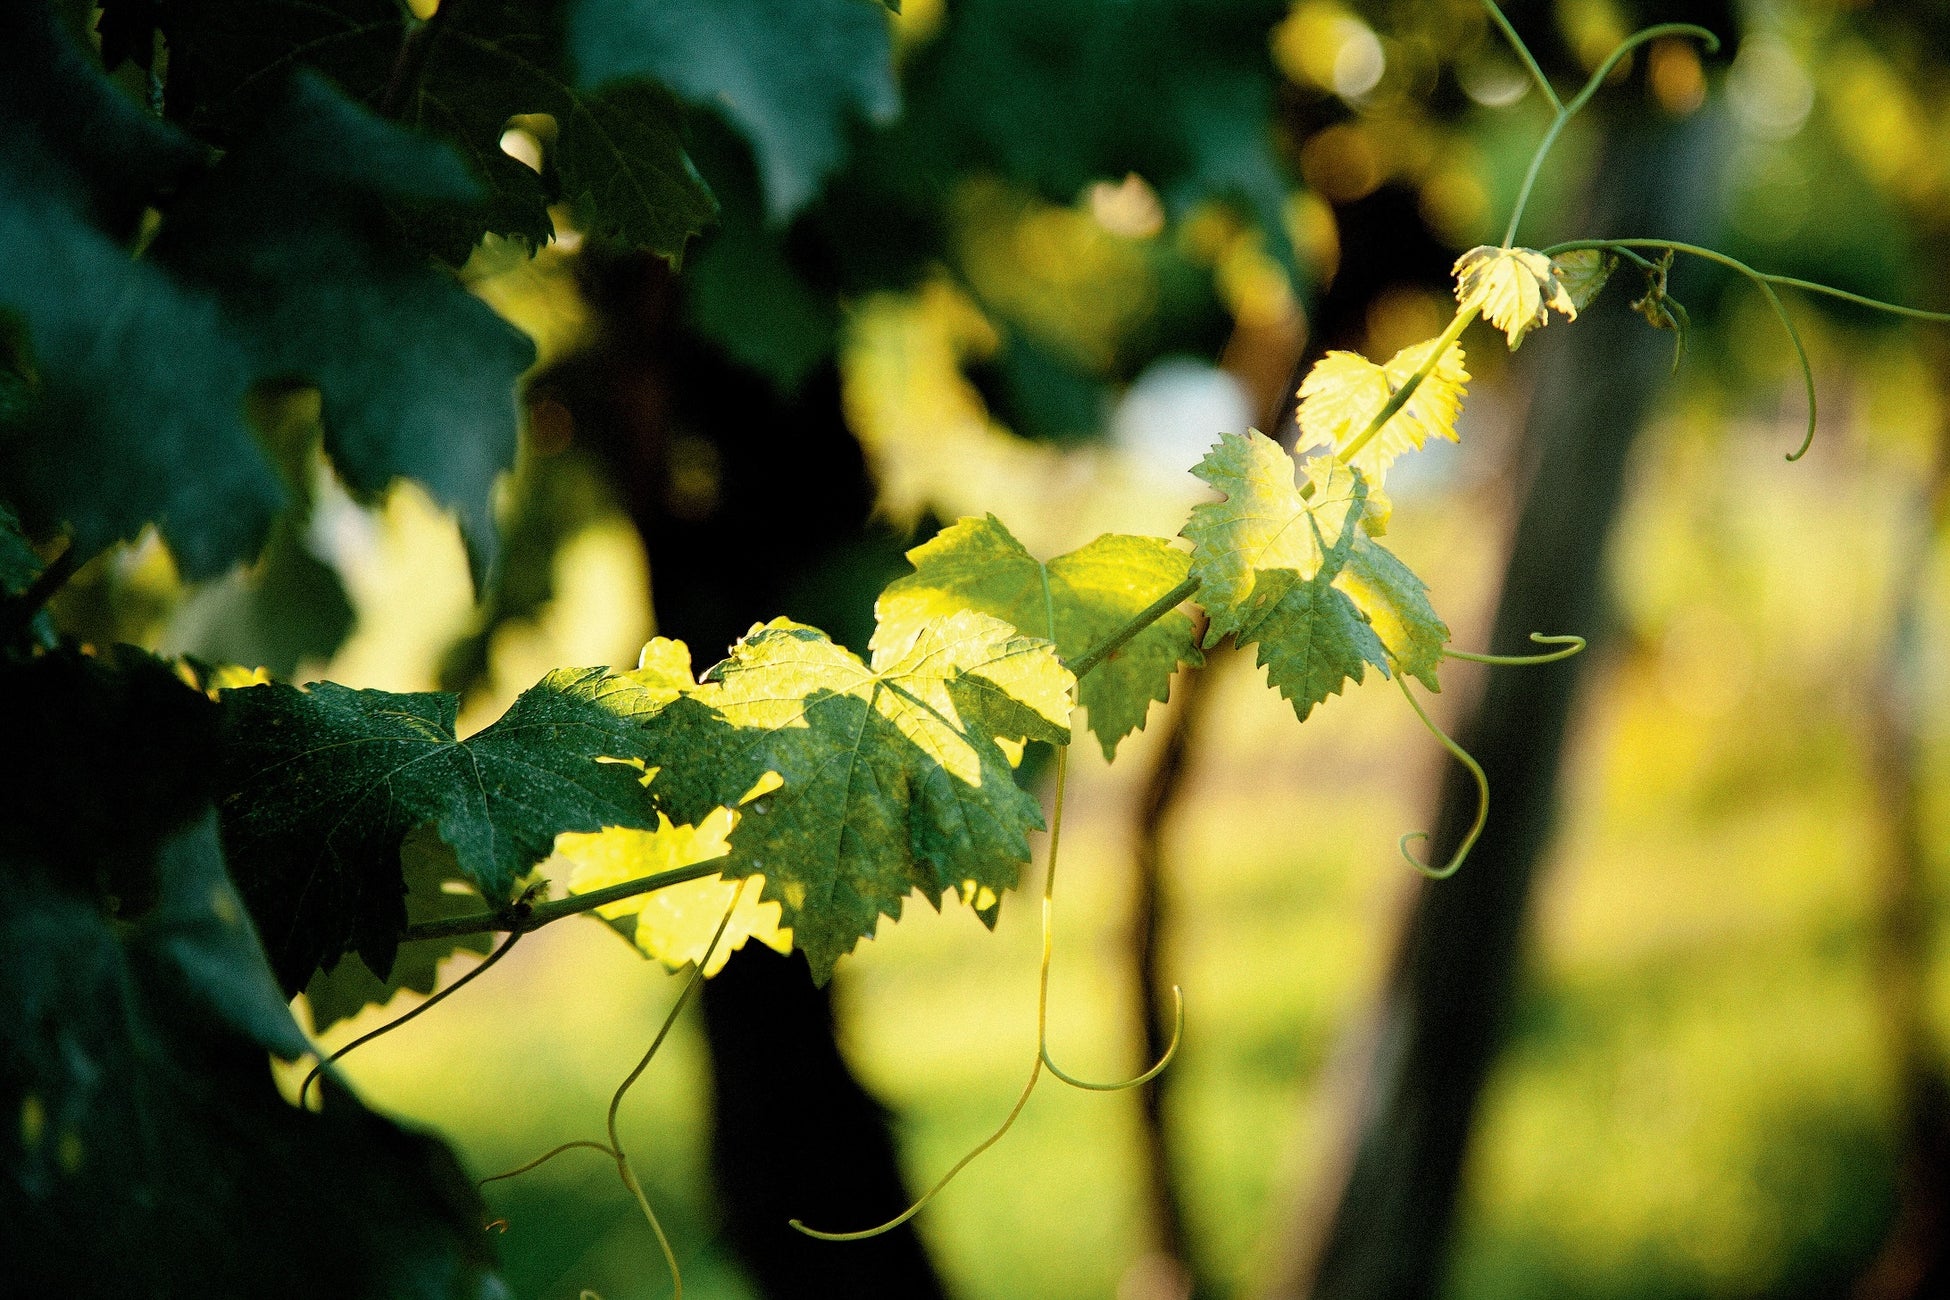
(1462, 756)
(1042, 1061)
(1049, 946)
(20, 610)
(1568, 110)
(1765, 282)
(1399, 398)
(1150, 614)
(614, 1150)
(424, 1007)
(521, 917)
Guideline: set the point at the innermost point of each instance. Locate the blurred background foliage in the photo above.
(1041, 291)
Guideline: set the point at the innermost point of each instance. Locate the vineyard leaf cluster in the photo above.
(1075, 601)
(322, 786)
(891, 775)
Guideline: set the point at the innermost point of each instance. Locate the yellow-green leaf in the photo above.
(892, 777)
(675, 924)
(1344, 392)
(1076, 600)
(1247, 548)
(1515, 288)
(1296, 575)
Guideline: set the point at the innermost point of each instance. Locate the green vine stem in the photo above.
(1150, 614)
(522, 916)
(1399, 398)
(1042, 1060)
(1049, 943)
(1572, 645)
(1766, 283)
(424, 1007)
(1523, 52)
(1565, 111)
(1482, 794)
(1001, 1130)
(614, 1150)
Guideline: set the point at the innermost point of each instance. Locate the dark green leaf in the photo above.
(793, 79)
(434, 892)
(418, 376)
(149, 1153)
(125, 399)
(618, 155)
(322, 785)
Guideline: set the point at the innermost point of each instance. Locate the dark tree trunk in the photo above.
(1915, 1260)
(1384, 244)
(753, 505)
(1444, 1012)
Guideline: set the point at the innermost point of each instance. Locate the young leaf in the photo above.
(1344, 392)
(1264, 526)
(1296, 574)
(418, 376)
(1583, 273)
(892, 777)
(324, 784)
(674, 925)
(1515, 289)
(792, 79)
(1076, 600)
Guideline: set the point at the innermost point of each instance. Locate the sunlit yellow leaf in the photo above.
(1515, 289)
(1344, 392)
(673, 925)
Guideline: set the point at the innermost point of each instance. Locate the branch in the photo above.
(20, 610)
(520, 918)
(1156, 610)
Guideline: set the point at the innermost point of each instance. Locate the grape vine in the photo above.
(293, 218)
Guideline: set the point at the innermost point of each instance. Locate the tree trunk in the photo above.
(1443, 1014)
(1915, 1260)
(752, 505)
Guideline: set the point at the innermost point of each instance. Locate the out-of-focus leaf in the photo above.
(618, 154)
(892, 777)
(289, 609)
(417, 376)
(1076, 600)
(1056, 96)
(322, 786)
(127, 389)
(793, 79)
(151, 1153)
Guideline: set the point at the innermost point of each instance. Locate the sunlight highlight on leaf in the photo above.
(674, 925)
(1345, 391)
(1515, 289)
